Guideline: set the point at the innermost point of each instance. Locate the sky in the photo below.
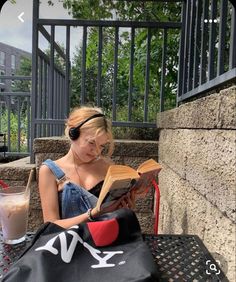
(19, 34)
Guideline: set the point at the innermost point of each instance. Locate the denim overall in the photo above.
(73, 199)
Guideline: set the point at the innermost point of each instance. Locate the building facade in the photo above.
(10, 59)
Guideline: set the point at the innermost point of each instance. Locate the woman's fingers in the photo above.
(127, 201)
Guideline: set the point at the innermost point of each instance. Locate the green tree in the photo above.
(24, 69)
(19, 105)
(126, 10)
(123, 10)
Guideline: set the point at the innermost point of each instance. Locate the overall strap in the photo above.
(56, 170)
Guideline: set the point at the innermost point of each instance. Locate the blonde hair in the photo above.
(99, 124)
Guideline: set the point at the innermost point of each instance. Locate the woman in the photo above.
(69, 186)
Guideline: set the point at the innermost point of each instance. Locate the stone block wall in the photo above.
(126, 152)
(197, 150)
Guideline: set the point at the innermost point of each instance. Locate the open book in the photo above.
(121, 179)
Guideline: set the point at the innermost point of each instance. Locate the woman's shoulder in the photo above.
(50, 166)
(44, 170)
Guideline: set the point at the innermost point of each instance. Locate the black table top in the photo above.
(178, 257)
(183, 258)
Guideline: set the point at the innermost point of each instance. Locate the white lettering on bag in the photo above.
(68, 251)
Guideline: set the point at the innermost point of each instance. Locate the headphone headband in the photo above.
(74, 131)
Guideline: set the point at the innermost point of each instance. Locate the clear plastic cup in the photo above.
(14, 208)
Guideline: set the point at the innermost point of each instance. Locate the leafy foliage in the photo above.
(130, 104)
(16, 123)
(13, 113)
(122, 10)
(24, 70)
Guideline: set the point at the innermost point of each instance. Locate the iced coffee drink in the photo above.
(14, 206)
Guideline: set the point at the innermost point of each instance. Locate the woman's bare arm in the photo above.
(49, 200)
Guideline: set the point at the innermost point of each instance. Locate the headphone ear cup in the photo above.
(74, 133)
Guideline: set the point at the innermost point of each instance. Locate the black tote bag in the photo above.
(110, 249)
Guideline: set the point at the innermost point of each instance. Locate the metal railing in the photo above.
(57, 109)
(153, 30)
(207, 58)
(15, 117)
(207, 50)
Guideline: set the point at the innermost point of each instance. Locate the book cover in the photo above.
(121, 179)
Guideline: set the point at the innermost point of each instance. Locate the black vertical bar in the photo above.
(9, 122)
(34, 73)
(51, 78)
(131, 74)
(181, 52)
(28, 123)
(191, 48)
(212, 41)
(186, 48)
(54, 94)
(232, 52)
(99, 76)
(115, 74)
(147, 75)
(60, 91)
(56, 98)
(66, 89)
(39, 98)
(197, 44)
(48, 95)
(44, 96)
(83, 69)
(64, 115)
(62, 86)
(222, 37)
(204, 35)
(18, 124)
(4, 142)
(62, 95)
(163, 70)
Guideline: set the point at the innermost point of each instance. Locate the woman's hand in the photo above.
(126, 201)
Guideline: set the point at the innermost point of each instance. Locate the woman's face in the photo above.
(88, 146)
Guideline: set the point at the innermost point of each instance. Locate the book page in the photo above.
(149, 165)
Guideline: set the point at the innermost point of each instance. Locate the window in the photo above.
(2, 81)
(2, 59)
(13, 62)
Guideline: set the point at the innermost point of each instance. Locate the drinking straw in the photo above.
(29, 181)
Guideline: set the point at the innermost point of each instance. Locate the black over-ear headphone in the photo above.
(74, 132)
